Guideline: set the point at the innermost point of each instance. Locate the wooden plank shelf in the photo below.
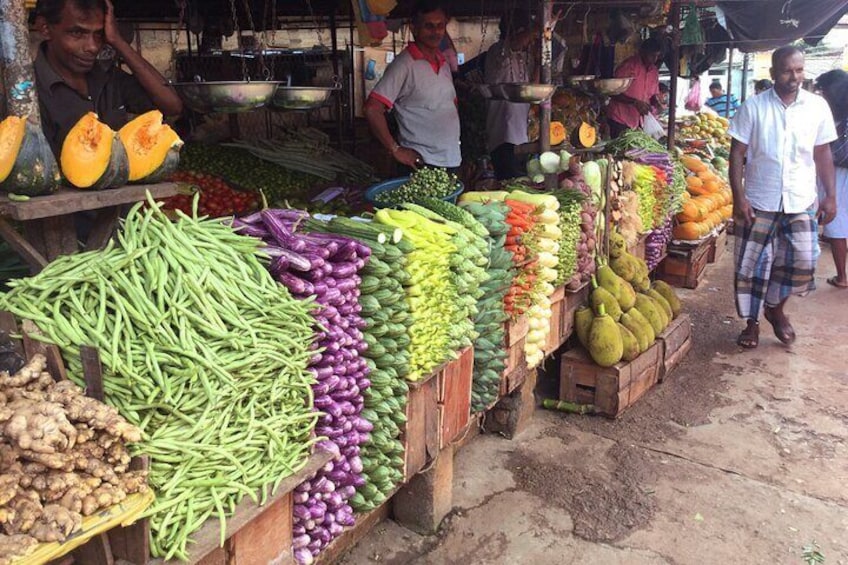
(71, 200)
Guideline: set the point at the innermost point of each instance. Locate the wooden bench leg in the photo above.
(514, 412)
(424, 502)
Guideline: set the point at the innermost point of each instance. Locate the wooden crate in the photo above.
(516, 331)
(718, 246)
(422, 429)
(573, 300)
(677, 341)
(334, 552)
(515, 361)
(454, 392)
(265, 539)
(684, 266)
(612, 389)
(555, 337)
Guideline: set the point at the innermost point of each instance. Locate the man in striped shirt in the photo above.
(719, 101)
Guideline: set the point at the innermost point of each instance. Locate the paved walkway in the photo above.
(739, 457)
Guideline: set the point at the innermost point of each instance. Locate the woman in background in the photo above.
(834, 88)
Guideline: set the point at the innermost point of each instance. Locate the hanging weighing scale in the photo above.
(229, 96)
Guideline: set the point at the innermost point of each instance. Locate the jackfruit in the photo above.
(642, 284)
(660, 299)
(605, 345)
(666, 319)
(617, 245)
(670, 296)
(582, 323)
(601, 296)
(630, 345)
(627, 296)
(609, 280)
(646, 325)
(648, 309)
(624, 267)
(637, 328)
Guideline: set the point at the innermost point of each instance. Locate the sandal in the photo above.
(783, 330)
(750, 336)
(834, 281)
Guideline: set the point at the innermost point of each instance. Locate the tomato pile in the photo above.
(217, 198)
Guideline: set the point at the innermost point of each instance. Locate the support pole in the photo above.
(18, 73)
(745, 61)
(729, 82)
(21, 94)
(546, 7)
(674, 71)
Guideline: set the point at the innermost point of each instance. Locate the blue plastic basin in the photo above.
(393, 184)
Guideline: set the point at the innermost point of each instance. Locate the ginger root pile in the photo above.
(62, 456)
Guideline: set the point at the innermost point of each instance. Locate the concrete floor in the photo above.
(738, 457)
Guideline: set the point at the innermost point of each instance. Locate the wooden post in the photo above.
(19, 83)
(674, 71)
(546, 8)
(729, 81)
(18, 73)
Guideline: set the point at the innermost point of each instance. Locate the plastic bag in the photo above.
(693, 98)
(652, 126)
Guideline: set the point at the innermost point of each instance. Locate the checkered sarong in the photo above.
(775, 258)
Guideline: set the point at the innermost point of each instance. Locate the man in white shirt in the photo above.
(785, 132)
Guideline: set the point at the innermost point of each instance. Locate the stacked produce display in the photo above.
(326, 267)
(63, 456)
(708, 203)
(706, 126)
(489, 348)
(386, 332)
(201, 350)
(626, 312)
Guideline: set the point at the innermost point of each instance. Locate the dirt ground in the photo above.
(738, 457)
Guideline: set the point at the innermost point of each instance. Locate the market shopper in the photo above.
(625, 111)
(786, 133)
(834, 88)
(509, 60)
(70, 79)
(417, 86)
(721, 103)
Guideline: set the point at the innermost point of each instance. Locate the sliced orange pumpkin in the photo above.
(93, 156)
(153, 148)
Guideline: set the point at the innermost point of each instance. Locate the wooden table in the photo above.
(47, 222)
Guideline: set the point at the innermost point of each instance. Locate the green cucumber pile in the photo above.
(489, 350)
(201, 349)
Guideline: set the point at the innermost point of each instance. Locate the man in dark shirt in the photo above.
(70, 80)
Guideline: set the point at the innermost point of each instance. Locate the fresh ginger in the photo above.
(14, 547)
(39, 426)
(28, 373)
(9, 486)
(55, 524)
(104, 496)
(21, 512)
(97, 415)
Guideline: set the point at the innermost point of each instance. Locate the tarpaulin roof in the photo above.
(760, 25)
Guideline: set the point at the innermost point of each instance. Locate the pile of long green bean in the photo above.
(201, 349)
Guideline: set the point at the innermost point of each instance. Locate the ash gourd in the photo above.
(326, 266)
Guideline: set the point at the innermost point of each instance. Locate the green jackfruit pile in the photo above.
(626, 313)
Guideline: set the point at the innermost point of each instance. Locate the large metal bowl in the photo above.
(527, 93)
(612, 86)
(301, 97)
(228, 97)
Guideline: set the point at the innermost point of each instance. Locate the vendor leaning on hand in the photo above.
(625, 111)
(418, 87)
(70, 80)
